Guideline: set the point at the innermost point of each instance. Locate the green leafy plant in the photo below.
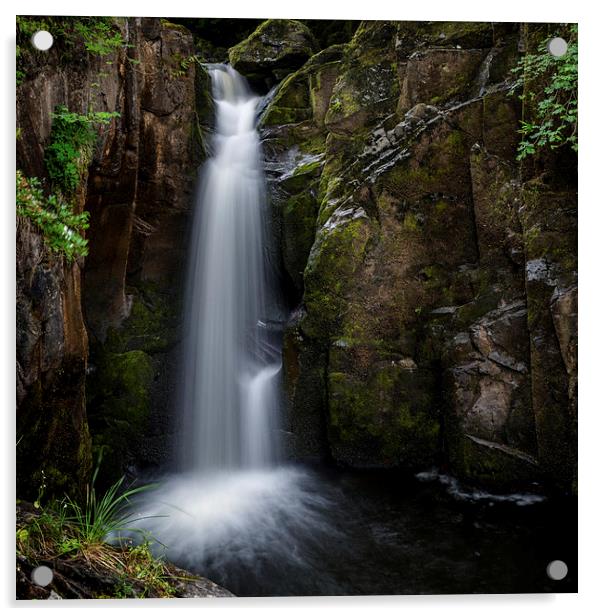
(179, 65)
(82, 530)
(551, 94)
(150, 571)
(70, 148)
(61, 227)
(98, 36)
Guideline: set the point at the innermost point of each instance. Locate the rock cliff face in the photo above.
(435, 277)
(123, 297)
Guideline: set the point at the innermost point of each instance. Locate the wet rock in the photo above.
(439, 76)
(52, 353)
(275, 49)
(496, 197)
(549, 221)
(380, 409)
(489, 393)
(422, 256)
(304, 367)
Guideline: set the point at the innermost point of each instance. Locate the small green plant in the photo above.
(61, 227)
(554, 102)
(98, 36)
(179, 65)
(70, 148)
(336, 106)
(98, 517)
(150, 571)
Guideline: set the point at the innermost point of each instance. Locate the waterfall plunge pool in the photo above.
(294, 530)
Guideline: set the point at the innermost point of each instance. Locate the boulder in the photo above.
(278, 47)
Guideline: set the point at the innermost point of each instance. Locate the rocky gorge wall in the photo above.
(434, 277)
(96, 337)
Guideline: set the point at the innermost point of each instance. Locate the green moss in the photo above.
(335, 255)
(467, 34)
(304, 178)
(151, 326)
(411, 222)
(275, 43)
(490, 466)
(367, 87)
(277, 116)
(456, 142)
(126, 383)
(469, 313)
(119, 398)
(384, 418)
(299, 214)
(413, 180)
(171, 26)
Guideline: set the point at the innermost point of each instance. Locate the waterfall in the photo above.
(233, 511)
(232, 362)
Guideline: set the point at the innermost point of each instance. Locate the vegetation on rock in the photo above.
(69, 151)
(61, 227)
(64, 528)
(98, 36)
(553, 99)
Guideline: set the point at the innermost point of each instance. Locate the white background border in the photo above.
(590, 307)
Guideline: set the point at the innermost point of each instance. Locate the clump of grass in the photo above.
(99, 517)
(80, 531)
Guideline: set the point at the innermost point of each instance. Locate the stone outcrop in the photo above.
(123, 297)
(138, 244)
(437, 300)
(276, 48)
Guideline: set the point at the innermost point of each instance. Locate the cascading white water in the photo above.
(234, 504)
(232, 365)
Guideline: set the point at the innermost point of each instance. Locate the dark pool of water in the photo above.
(372, 533)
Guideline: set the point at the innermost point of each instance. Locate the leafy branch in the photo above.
(554, 121)
(61, 227)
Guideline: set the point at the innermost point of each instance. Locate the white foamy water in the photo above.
(461, 492)
(242, 517)
(232, 365)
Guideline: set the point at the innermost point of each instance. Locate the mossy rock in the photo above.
(455, 34)
(299, 213)
(381, 416)
(119, 403)
(439, 77)
(305, 94)
(304, 375)
(491, 465)
(153, 323)
(363, 94)
(125, 385)
(335, 255)
(276, 48)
